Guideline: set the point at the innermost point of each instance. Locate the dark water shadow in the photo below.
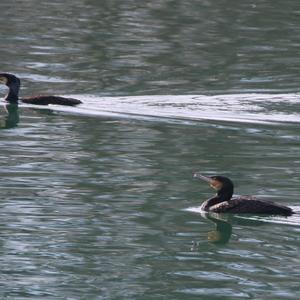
(11, 119)
(224, 226)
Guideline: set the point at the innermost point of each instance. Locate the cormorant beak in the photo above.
(204, 178)
(215, 184)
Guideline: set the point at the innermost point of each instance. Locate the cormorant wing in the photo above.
(252, 205)
(46, 100)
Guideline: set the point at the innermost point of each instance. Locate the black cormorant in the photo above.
(224, 203)
(14, 83)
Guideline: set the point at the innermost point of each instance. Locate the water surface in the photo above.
(98, 202)
(96, 207)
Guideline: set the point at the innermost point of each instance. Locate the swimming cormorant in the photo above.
(224, 203)
(14, 83)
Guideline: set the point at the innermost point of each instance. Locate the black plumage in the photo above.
(223, 202)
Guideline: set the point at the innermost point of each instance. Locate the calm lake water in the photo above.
(98, 202)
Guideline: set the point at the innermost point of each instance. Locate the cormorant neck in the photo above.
(225, 194)
(210, 202)
(13, 94)
(222, 195)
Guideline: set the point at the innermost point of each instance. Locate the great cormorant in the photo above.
(223, 202)
(14, 83)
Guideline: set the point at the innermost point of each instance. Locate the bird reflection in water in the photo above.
(224, 227)
(11, 119)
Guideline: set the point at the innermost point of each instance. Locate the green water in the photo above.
(99, 207)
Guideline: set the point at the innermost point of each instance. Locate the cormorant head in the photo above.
(221, 184)
(10, 79)
(14, 83)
